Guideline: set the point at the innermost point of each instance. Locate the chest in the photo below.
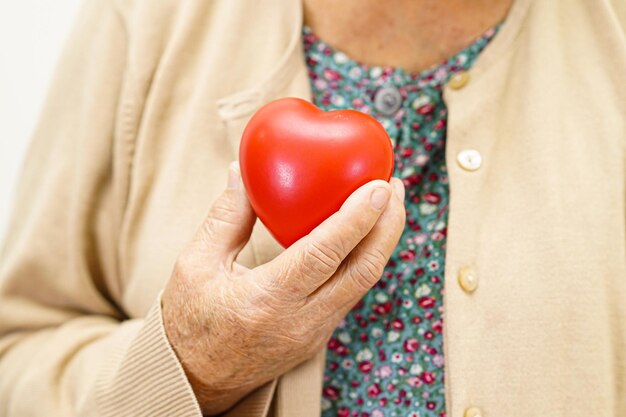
(552, 166)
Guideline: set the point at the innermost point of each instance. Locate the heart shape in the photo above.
(299, 163)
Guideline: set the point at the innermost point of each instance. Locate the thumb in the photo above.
(229, 224)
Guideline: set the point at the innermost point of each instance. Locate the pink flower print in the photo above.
(331, 75)
(373, 390)
(321, 84)
(311, 61)
(407, 255)
(365, 366)
(438, 360)
(425, 109)
(342, 350)
(411, 345)
(331, 392)
(357, 102)
(437, 236)
(426, 302)
(427, 377)
(432, 198)
(385, 371)
(406, 152)
(397, 324)
(414, 381)
(438, 326)
(381, 309)
(335, 345)
(411, 180)
(419, 239)
(441, 73)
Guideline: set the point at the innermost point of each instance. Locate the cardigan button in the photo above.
(468, 279)
(459, 80)
(473, 412)
(469, 159)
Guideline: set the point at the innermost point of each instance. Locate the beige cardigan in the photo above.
(146, 113)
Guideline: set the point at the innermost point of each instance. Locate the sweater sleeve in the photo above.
(66, 346)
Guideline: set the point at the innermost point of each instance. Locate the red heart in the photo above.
(299, 163)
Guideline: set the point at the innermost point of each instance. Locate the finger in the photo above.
(310, 261)
(228, 226)
(365, 265)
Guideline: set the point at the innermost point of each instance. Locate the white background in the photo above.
(32, 34)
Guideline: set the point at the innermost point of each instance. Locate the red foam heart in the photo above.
(299, 163)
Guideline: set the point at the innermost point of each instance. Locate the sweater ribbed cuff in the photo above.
(146, 378)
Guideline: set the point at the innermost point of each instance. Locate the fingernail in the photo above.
(234, 175)
(398, 188)
(379, 198)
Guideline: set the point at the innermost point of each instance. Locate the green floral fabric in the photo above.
(386, 358)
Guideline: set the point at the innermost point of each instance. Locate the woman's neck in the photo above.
(412, 34)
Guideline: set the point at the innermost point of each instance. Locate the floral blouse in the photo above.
(386, 357)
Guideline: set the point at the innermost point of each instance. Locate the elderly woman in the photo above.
(120, 296)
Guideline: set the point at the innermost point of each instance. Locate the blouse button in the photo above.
(388, 100)
(469, 159)
(468, 280)
(459, 80)
(473, 412)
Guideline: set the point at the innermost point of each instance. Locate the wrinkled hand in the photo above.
(235, 328)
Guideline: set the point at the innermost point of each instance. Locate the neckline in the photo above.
(242, 103)
(436, 74)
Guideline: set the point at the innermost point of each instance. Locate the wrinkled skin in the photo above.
(235, 328)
